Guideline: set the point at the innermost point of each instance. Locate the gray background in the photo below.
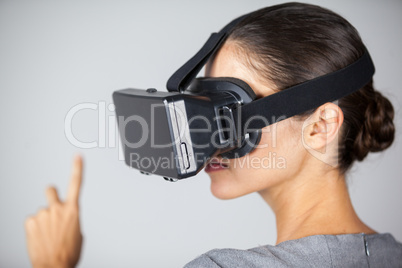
(57, 54)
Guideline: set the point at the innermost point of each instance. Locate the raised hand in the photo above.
(53, 235)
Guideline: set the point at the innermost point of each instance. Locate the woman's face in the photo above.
(279, 155)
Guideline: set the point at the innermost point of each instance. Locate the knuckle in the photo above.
(73, 209)
(55, 208)
(30, 223)
(42, 213)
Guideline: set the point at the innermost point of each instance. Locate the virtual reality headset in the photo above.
(173, 134)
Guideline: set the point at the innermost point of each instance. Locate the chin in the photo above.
(227, 184)
(225, 187)
(220, 193)
(220, 186)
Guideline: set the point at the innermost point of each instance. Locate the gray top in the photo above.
(348, 250)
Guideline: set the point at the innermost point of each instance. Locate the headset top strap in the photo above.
(180, 80)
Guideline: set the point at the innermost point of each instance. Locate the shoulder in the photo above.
(288, 254)
(383, 250)
(351, 250)
(235, 258)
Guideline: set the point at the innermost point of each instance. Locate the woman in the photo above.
(273, 49)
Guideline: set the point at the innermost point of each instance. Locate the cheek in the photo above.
(273, 161)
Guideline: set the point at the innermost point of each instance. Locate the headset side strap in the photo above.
(305, 96)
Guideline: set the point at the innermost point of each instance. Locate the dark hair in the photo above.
(291, 43)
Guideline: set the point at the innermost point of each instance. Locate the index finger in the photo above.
(75, 181)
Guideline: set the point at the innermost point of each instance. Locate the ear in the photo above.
(323, 127)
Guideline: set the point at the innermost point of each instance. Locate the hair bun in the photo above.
(378, 130)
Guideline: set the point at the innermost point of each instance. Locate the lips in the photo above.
(215, 165)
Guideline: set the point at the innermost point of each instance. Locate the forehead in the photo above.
(229, 63)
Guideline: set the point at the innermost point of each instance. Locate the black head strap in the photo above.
(305, 96)
(182, 78)
(286, 103)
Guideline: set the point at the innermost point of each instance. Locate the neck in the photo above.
(312, 205)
